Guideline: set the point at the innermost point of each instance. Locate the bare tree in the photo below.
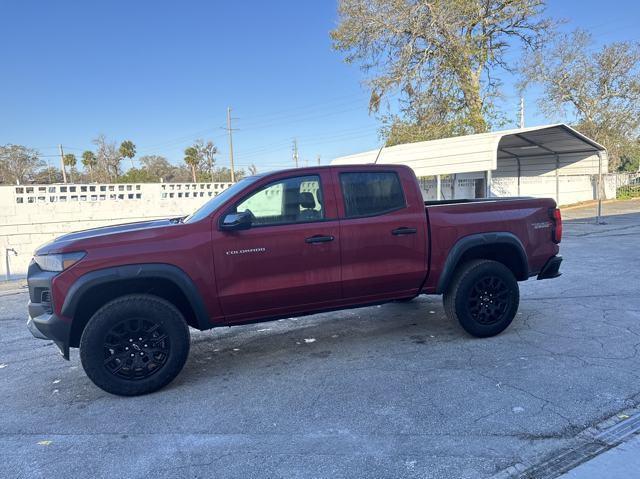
(108, 159)
(438, 57)
(207, 152)
(597, 89)
(18, 164)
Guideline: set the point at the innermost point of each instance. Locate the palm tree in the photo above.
(128, 150)
(192, 159)
(89, 160)
(69, 160)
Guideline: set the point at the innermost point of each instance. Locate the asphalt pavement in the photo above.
(389, 391)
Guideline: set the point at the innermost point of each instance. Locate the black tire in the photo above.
(134, 345)
(483, 297)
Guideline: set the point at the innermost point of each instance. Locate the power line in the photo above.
(297, 119)
(286, 142)
(316, 140)
(309, 107)
(278, 115)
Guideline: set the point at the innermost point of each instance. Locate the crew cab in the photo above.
(276, 245)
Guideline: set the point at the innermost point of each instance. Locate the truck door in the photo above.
(290, 257)
(383, 235)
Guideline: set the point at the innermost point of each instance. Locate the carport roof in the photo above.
(470, 153)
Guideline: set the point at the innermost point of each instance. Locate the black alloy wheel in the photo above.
(134, 344)
(483, 297)
(136, 348)
(489, 300)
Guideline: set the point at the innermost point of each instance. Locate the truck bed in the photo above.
(475, 200)
(525, 218)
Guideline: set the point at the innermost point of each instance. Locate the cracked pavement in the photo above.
(389, 391)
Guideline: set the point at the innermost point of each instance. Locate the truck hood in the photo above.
(68, 242)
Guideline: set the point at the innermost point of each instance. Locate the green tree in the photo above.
(438, 58)
(48, 175)
(193, 160)
(69, 161)
(89, 161)
(158, 167)
(223, 174)
(136, 175)
(596, 89)
(127, 150)
(253, 170)
(18, 164)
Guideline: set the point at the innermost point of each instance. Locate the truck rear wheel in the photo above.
(134, 345)
(483, 297)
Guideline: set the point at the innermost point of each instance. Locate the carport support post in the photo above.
(599, 192)
(557, 179)
(438, 187)
(488, 189)
(519, 173)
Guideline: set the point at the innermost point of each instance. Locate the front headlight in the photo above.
(58, 262)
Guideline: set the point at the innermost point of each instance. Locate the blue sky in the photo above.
(163, 73)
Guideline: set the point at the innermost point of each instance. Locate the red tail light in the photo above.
(556, 216)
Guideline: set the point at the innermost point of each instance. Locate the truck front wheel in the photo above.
(483, 297)
(134, 345)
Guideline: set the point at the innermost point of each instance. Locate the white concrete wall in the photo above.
(35, 214)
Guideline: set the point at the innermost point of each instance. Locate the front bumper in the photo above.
(551, 269)
(42, 322)
(43, 325)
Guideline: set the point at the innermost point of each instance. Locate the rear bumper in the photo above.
(551, 269)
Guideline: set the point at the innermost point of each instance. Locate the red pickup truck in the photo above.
(276, 245)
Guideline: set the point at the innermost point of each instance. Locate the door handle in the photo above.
(403, 230)
(319, 239)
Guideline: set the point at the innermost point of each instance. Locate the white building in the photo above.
(545, 161)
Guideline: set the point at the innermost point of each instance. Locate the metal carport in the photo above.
(537, 151)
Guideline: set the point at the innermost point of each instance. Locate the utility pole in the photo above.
(233, 171)
(64, 172)
(318, 160)
(521, 112)
(295, 151)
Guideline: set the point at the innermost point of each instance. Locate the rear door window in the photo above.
(371, 193)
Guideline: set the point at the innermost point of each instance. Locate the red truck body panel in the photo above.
(523, 217)
(271, 271)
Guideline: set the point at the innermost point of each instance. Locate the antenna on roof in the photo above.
(378, 155)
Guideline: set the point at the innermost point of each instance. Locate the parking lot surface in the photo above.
(389, 391)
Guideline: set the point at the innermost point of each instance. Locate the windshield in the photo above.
(214, 203)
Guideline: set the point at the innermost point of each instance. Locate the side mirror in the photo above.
(236, 221)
